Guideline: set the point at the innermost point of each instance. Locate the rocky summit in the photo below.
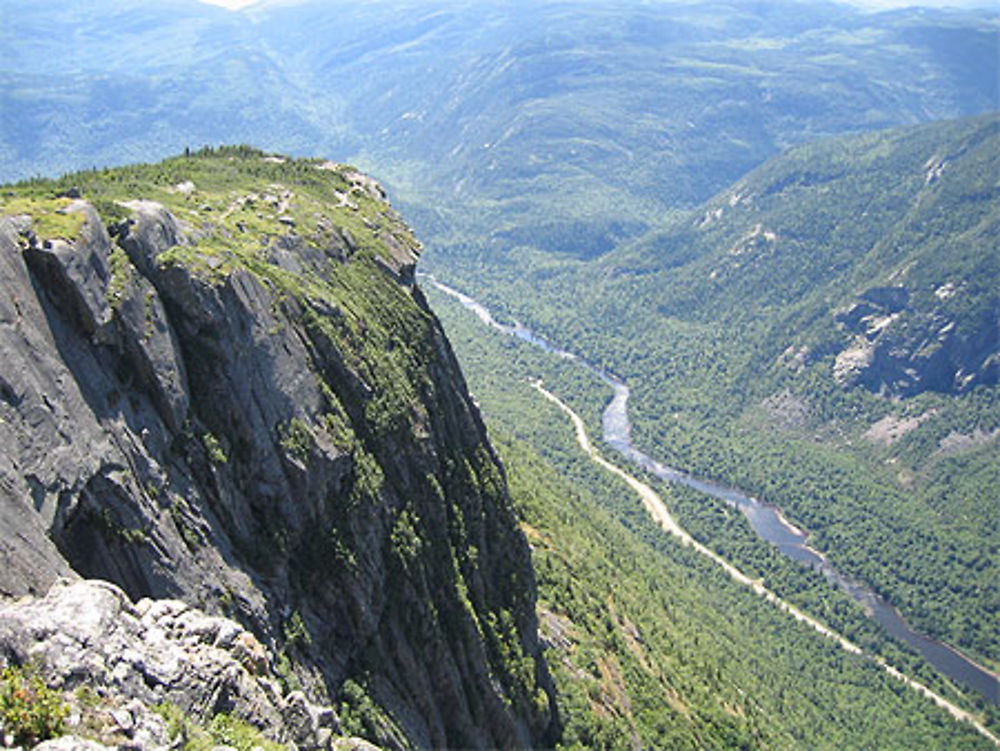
(223, 394)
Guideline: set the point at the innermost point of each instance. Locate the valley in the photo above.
(496, 364)
(708, 403)
(751, 246)
(767, 522)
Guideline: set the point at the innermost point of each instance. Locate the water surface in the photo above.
(765, 519)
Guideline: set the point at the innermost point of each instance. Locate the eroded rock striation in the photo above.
(235, 396)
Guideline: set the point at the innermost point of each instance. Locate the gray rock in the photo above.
(150, 231)
(902, 347)
(88, 633)
(71, 743)
(152, 350)
(77, 274)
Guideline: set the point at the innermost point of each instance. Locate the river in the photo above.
(765, 519)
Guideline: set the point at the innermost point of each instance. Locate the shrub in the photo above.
(30, 711)
(297, 439)
(223, 730)
(214, 449)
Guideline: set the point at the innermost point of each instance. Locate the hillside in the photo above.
(651, 646)
(564, 127)
(221, 385)
(823, 334)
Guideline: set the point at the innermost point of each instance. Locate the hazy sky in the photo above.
(231, 4)
(870, 4)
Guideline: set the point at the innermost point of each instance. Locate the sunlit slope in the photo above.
(823, 334)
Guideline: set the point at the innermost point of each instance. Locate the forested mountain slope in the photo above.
(650, 644)
(878, 251)
(824, 334)
(222, 385)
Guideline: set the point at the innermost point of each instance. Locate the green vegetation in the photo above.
(49, 218)
(296, 632)
(115, 532)
(405, 539)
(360, 715)
(297, 439)
(726, 328)
(180, 515)
(222, 730)
(30, 712)
(648, 640)
(216, 454)
(239, 200)
(226, 730)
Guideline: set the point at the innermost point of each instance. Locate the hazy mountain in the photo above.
(557, 124)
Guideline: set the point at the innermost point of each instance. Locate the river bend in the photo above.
(765, 519)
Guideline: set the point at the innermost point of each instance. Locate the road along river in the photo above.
(764, 518)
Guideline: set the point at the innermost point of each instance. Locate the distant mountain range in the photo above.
(541, 119)
(777, 221)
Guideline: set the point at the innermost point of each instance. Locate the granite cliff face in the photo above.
(902, 348)
(221, 385)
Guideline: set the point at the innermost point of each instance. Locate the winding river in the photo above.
(765, 519)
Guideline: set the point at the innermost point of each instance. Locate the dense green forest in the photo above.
(731, 327)
(651, 644)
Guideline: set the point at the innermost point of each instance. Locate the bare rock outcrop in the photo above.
(902, 347)
(129, 661)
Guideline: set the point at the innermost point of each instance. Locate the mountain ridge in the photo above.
(230, 391)
(728, 327)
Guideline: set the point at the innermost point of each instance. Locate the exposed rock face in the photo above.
(901, 347)
(133, 659)
(265, 419)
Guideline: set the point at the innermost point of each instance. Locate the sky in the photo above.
(231, 4)
(868, 4)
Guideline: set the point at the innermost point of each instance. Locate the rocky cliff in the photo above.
(221, 385)
(903, 349)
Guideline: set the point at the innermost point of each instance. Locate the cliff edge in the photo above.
(221, 385)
